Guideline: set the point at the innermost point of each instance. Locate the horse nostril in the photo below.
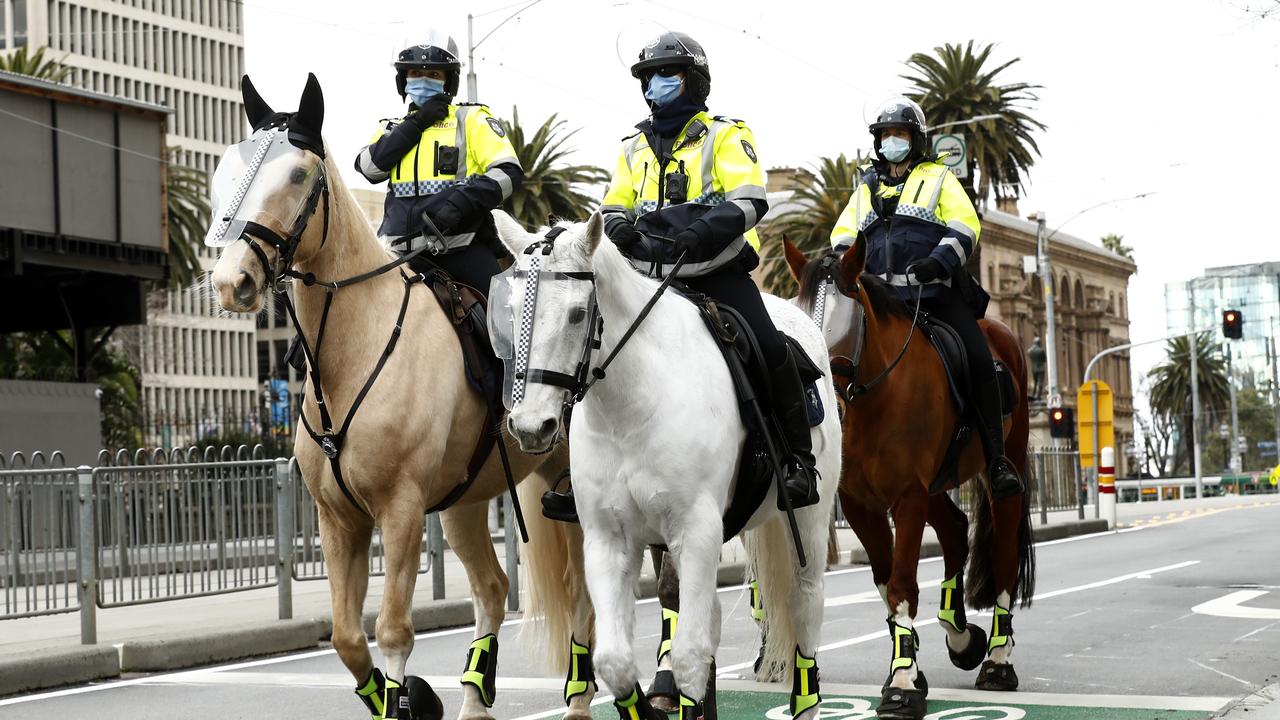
(549, 426)
(245, 288)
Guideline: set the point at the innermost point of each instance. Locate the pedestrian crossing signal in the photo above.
(1232, 324)
(1062, 423)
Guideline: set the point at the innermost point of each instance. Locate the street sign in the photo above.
(1085, 419)
(1055, 400)
(954, 145)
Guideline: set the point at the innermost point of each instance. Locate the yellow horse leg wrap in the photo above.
(804, 684)
(1001, 629)
(951, 609)
(629, 708)
(905, 644)
(482, 667)
(581, 672)
(372, 694)
(757, 601)
(670, 618)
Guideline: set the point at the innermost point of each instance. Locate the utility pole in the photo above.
(1050, 322)
(1235, 418)
(471, 62)
(1195, 394)
(1275, 390)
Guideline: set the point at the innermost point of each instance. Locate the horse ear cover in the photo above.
(255, 108)
(311, 107)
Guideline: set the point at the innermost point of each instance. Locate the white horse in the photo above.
(655, 449)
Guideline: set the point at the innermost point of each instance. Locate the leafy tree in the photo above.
(1115, 243)
(822, 196)
(550, 184)
(1170, 393)
(954, 85)
(35, 65)
(187, 195)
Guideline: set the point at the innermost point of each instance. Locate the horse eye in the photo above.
(299, 174)
(577, 315)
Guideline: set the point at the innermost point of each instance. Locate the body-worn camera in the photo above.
(677, 187)
(446, 160)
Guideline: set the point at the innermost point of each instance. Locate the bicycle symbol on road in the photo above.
(859, 709)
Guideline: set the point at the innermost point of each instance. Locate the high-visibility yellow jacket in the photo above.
(466, 159)
(722, 200)
(928, 215)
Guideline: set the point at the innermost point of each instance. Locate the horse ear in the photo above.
(796, 259)
(852, 263)
(311, 107)
(510, 232)
(594, 231)
(255, 108)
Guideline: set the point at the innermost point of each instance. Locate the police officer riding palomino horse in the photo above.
(448, 165)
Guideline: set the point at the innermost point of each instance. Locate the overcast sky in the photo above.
(1172, 98)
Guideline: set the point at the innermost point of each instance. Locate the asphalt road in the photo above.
(1169, 619)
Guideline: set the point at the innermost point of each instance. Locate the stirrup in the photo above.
(801, 497)
(560, 506)
(1003, 467)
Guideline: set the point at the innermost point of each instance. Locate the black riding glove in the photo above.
(431, 112)
(686, 243)
(927, 270)
(448, 210)
(625, 236)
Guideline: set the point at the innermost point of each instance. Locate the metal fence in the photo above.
(39, 532)
(161, 526)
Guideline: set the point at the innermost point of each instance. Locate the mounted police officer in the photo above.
(696, 179)
(446, 161)
(920, 228)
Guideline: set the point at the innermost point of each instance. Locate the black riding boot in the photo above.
(1001, 474)
(560, 505)
(790, 407)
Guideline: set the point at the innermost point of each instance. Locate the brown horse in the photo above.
(896, 434)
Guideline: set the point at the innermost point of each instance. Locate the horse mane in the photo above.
(881, 299)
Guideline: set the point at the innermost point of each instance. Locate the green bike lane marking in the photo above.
(745, 700)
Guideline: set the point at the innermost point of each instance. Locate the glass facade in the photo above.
(1254, 290)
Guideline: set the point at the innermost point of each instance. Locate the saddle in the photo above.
(955, 360)
(466, 309)
(765, 447)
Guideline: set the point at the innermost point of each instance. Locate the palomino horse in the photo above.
(407, 449)
(898, 423)
(655, 453)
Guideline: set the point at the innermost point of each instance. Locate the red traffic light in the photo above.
(1062, 423)
(1232, 324)
(1058, 415)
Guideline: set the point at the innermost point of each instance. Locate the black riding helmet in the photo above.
(902, 112)
(437, 52)
(676, 49)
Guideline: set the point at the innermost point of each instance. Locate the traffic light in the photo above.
(1062, 423)
(1232, 324)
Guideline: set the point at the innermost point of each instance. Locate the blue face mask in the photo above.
(894, 149)
(421, 89)
(663, 90)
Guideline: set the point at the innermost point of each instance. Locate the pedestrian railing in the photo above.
(156, 526)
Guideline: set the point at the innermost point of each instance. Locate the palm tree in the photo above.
(549, 185)
(1115, 243)
(953, 86)
(187, 195)
(34, 65)
(822, 195)
(1170, 393)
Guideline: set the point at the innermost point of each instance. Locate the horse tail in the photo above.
(983, 586)
(770, 564)
(554, 581)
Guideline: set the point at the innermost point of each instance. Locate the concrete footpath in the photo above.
(44, 652)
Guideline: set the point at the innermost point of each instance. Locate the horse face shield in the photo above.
(264, 181)
(558, 310)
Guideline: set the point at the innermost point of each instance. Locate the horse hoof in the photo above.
(899, 704)
(997, 676)
(663, 694)
(972, 655)
(424, 703)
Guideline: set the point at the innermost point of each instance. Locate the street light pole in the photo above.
(1195, 395)
(1050, 322)
(471, 46)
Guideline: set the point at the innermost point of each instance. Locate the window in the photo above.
(13, 35)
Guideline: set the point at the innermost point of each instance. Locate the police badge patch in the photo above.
(750, 151)
(497, 126)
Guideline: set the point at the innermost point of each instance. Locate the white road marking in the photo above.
(1251, 633)
(440, 683)
(1231, 606)
(1229, 676)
